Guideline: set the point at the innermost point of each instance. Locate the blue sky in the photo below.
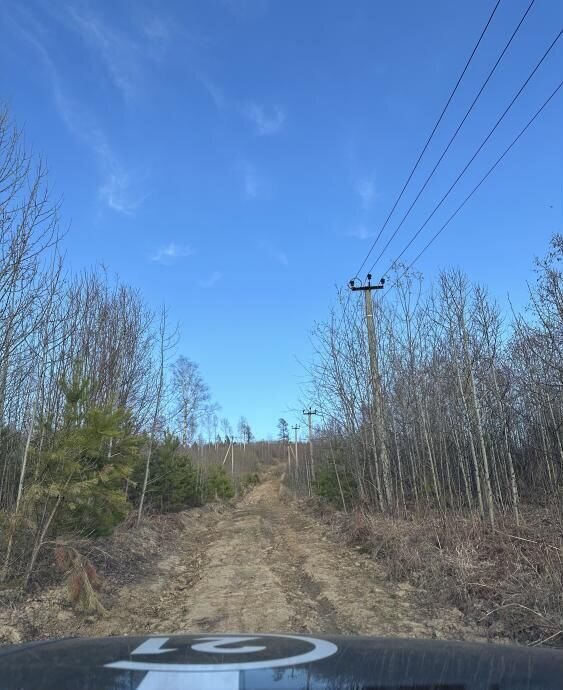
(235, 158)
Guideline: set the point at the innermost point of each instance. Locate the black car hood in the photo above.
(276, 662)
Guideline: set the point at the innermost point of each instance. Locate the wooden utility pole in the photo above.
(377, 397)
(296, 429)
(309, 414)
(227, 453)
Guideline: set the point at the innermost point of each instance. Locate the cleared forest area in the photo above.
(442, 465)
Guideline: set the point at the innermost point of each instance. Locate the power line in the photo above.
(438, 121)
(458, 209)
(480, 147)
(429, 139)
(492, 71)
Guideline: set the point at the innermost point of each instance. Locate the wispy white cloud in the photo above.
(278, 255)
(157, 29)
(211, 280)
(266, 120)
(126, 56)
(118, 188)
(365, 189)
(214, 91)
(360, 232)
(171, 252)
(246, 8)
(118, 52)
(252, 182)
(281, 257)
(117, 193)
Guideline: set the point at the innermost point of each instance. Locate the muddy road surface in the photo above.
(263, 565)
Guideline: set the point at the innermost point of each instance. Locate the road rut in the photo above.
(266, 566)
(261, 565)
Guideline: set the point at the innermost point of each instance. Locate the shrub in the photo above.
(247, 481)
(85, 465)
(328, 488)
(174, 483)
(93, 510)
(509, 580)
(218, 484)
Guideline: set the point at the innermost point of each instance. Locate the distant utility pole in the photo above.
(309, 414)
(296, 429)
(227, 453)
(380, 447)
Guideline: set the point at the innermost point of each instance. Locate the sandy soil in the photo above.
(263, 565)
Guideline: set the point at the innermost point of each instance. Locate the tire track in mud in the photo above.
(312, 611)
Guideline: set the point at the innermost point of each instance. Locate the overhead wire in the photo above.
(480, 147)
(453, 137)
(424, 148)
(430, 137)
(477, 186)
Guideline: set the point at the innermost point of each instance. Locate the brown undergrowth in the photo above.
(509, 580)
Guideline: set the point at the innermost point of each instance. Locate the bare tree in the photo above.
(472, 411)
(283, 430)
(226, 429)
(191, 395)
(244, 430)
(163, 345)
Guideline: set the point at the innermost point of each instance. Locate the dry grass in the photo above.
(88, 575)
(510, 580)
(130, 552)
(127, 554)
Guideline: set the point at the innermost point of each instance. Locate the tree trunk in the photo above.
(472, 448)
(13, 526)
(162, 332)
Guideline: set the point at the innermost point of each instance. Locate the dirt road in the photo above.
(263, 566)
